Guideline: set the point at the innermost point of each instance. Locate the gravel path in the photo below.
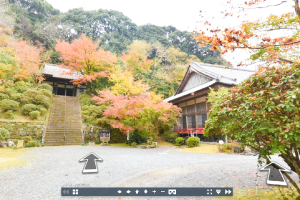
(51, 168)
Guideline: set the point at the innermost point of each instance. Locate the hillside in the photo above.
(158, 56)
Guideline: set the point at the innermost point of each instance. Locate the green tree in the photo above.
(263, 112)
(116, 29)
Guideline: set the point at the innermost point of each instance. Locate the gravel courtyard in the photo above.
(51, 168)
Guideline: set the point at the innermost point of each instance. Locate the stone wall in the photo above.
(21, 129)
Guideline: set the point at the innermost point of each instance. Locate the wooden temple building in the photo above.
(59, 78)
(192, 92)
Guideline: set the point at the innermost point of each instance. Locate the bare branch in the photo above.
(265, 6)
(275, 45)
(297, 9)
(285, 60)
(292, 181)
(275, 29)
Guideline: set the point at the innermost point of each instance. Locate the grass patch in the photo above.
(20, 117)
(121, 145)
(11, 158)
(203, 148)
(164, 144)
(263, 194)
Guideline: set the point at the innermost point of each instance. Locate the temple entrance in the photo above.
(69, 92)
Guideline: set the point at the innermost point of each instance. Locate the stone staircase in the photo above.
(57, 127)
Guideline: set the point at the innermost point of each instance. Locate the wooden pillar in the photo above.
(56, 88)
(73, 91)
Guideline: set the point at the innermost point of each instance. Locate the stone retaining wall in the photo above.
(21, 129)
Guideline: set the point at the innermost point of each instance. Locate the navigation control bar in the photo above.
(108, 191)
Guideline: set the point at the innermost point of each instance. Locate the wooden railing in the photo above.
(189, 130)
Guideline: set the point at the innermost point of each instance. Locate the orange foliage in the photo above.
(29, 60)
(143, 111)
(83, 56)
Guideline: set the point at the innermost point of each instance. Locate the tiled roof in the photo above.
(219, 74)
(59, 72)
(200, 87)
(223, 74)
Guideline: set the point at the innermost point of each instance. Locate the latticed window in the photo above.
(190, 109)
(181, 122)
(201, 106)
(184, 110)
(201, 119)
(192, 121)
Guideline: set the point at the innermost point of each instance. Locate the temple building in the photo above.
(59, 78)
(193, 90)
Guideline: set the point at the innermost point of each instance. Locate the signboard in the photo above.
(92, 129)
(104, 133)
(127, 135)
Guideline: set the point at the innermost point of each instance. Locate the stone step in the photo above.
(64, 126)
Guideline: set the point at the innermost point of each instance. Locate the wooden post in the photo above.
(56, 88)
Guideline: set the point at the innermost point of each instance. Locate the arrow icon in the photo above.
(66, 191)
(275, 176)
(227, 191)
(128, 191)
(90, 163)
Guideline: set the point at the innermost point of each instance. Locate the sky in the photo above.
(183, 14)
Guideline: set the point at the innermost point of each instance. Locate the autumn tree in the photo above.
(262, 112)
(28, 62)
(85, 57)
(140, 112)
(272, 40)
(123, 83)
(137, 63)
(8, 59)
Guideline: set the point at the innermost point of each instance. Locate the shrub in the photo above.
(45, 86)
(26, 139)
(225, 148)
(27, 108)
(25, 100)
(7, 104)
(31, 93)
(16, 97)
(22, 89)
(31, 143)
(10, 114)
(9, 91)
(34, 114)
(4, 134)
(3, 96)
(90, 137)
(179, 141)
(42, 100)
(170, 137)
(138, 137)
(43, 111)
(192, 142)
(86, 99)
(133, 144)
(46, 93)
